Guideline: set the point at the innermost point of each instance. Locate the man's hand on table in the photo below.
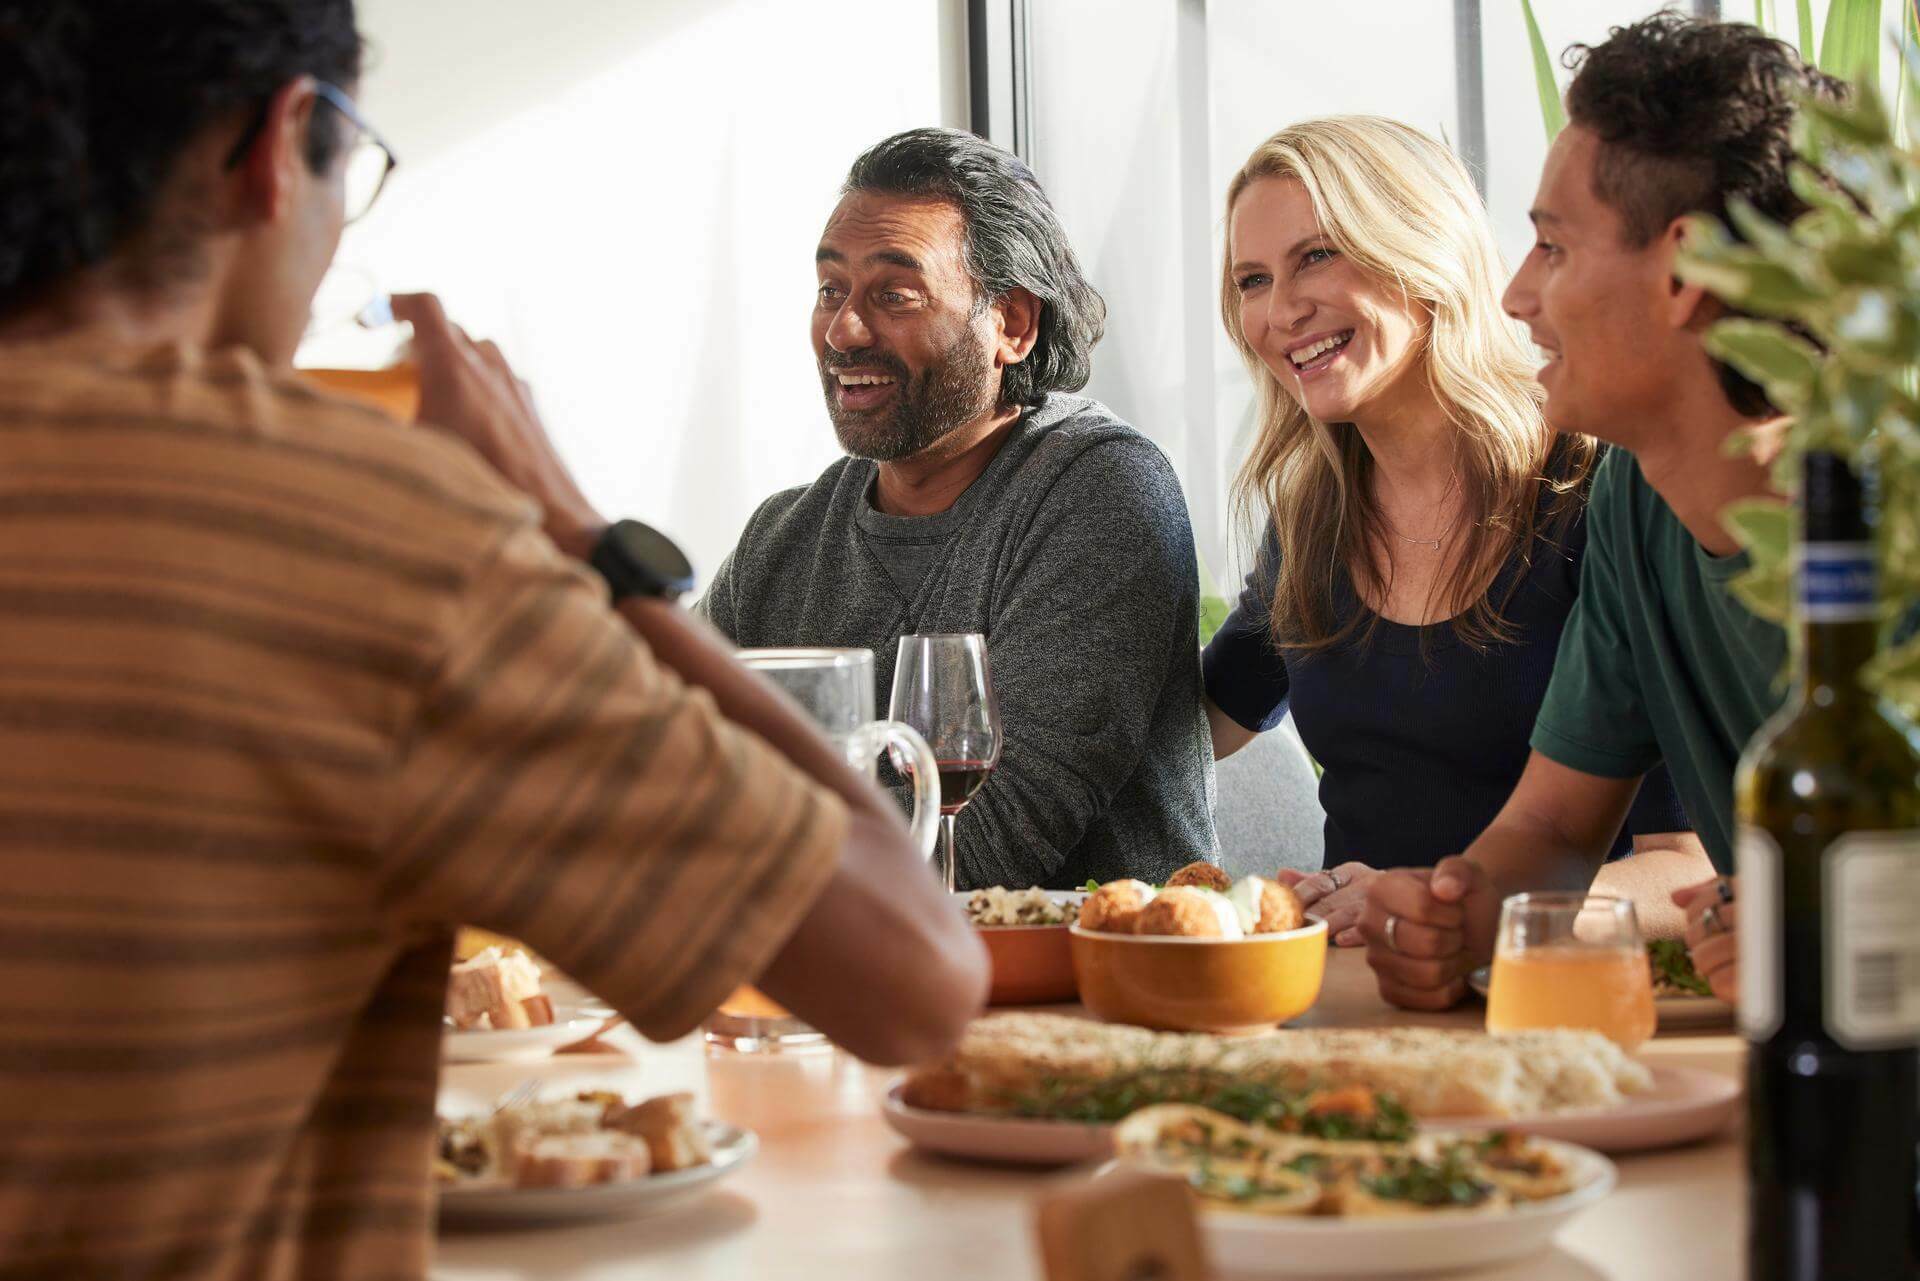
(1336, 894)
(1427, 928)
(468, 390)
(1713, 933)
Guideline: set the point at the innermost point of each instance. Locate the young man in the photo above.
(951, 320)
(1660, 662)
(291, 688)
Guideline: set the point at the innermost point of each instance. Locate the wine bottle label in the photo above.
(1837, 582)
(1757, 859)
(1871, 939)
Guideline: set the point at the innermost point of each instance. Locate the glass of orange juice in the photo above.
(394, 388)
(1571, 960)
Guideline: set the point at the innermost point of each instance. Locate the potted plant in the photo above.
(1831, 329)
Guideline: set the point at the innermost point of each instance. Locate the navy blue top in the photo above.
(1420, 747)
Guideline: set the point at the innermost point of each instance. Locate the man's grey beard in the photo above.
(957, 389)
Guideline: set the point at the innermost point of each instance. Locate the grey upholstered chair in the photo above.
(1267, 806)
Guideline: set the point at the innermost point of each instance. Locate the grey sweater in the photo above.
(1073, 554)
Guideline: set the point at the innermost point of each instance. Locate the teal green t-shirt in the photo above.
(1659, 661)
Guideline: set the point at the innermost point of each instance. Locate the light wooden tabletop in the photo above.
(835, 1194)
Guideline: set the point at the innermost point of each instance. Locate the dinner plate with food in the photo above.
(1025, 932)
(1682, 1001)
(587, 1155)
(1273, 1203)
(497, 1012)
(1049, 1088)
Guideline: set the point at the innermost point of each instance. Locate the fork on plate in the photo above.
(525, 1092)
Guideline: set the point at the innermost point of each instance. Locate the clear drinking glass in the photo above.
(942, 687)
(1571, 960)
(353, 345)
(835, 687)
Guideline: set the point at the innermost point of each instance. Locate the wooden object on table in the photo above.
(1126, 1226)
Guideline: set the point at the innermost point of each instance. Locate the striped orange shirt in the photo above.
(286, 690)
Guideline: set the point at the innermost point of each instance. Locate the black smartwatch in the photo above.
(638, 560)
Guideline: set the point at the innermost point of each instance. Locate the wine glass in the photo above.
(1571, 960)
(942, 687)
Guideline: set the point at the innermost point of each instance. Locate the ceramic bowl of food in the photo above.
(1183, 984)
(1026, 936)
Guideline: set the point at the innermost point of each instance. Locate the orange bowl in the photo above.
(1032, 964)
(1200, 985)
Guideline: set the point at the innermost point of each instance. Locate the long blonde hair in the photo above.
(1401, 207)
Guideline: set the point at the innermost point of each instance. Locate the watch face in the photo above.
(654, 555)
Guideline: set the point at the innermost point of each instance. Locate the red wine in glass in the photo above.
(959, 780)
(941, 687)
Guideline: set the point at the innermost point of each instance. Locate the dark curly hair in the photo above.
(1014, 240)
(1690, 114)
(99, 98)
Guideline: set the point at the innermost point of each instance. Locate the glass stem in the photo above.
(947, 856)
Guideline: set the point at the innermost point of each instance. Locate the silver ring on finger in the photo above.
(1333, 878)
(1710, 922)
(1393, 932)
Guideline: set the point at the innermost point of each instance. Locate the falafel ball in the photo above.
(1280, 909)
(1203, 874)
(1182, 910)
(1111, 909)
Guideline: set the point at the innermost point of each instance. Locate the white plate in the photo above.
(997, 1138)
(1253, 1245)
(495, 1204)
(521, 1044)
(1684, 1105)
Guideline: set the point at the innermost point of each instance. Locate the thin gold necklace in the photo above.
(1431, 544)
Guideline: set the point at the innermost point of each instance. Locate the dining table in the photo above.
(835, 1194)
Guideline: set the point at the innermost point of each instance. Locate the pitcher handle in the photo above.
(911, 749)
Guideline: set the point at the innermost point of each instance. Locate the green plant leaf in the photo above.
(1764, 526)
(1773, 241)
(1752, 283)
(1895, 672)
(1902, 130)
(1850, 46)
(1553, 114)
(1811, 186)
(1786, 365)
(1861, 120)
(1807, 51)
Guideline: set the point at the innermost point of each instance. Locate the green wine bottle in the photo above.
(1828, 804)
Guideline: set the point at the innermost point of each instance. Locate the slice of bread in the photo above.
(496, 990)
(577, 1160)
(669, 1128)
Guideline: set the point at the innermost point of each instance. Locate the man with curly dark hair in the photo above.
(952, 326)
(1660, 661)
(289, 690)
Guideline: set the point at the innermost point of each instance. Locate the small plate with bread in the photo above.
(588, 1155)
(497, 1012)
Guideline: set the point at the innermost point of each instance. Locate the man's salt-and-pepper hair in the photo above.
(1013, 240)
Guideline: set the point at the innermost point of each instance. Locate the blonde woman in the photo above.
(1423, 526)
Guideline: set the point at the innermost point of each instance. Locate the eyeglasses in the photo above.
(369, 159)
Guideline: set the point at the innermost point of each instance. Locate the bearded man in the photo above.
(951, 326)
